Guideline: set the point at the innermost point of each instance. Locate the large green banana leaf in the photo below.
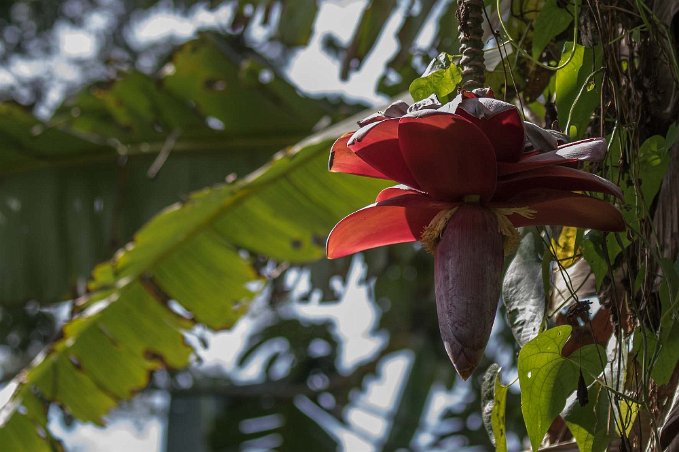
(200, 253)
(76, 188)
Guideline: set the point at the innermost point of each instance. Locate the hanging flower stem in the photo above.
(470, 18)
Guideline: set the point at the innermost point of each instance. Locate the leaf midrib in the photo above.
(211, 146)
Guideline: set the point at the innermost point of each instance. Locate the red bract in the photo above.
(467, 183)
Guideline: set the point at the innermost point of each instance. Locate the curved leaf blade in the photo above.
(127, 327)
(78, 187)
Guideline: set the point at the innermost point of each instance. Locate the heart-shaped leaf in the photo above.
(548, 378)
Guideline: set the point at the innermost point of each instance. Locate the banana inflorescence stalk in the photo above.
(470, 18)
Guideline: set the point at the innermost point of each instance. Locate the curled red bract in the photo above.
(470, 168)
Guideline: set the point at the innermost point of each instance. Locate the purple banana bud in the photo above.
(468, 273)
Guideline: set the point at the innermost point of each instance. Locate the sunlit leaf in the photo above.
(441, 78)
(565, 246)
(578, 87)
(547, 378)
(26, 428)
(628, 414)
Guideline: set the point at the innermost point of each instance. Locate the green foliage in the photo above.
(26, 431)
(402, 64)
(600, 251)
(189, 254)
(441, 78)
(648, 165)
(653, 160)
(78, 187)
(550, 22)
(297, 22)
(661, 349)
(226, 433)
(628, 414)
(578, 87)
(548, 378)
(415, 391)
(590, 423)
(297, 429)
(373, 19)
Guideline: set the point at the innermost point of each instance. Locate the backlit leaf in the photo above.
(441, 78)
(565, 246)
(578, 87)
(79, 187)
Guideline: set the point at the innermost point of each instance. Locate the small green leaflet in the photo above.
(441, 78)
(599, 249)
(547, 378)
